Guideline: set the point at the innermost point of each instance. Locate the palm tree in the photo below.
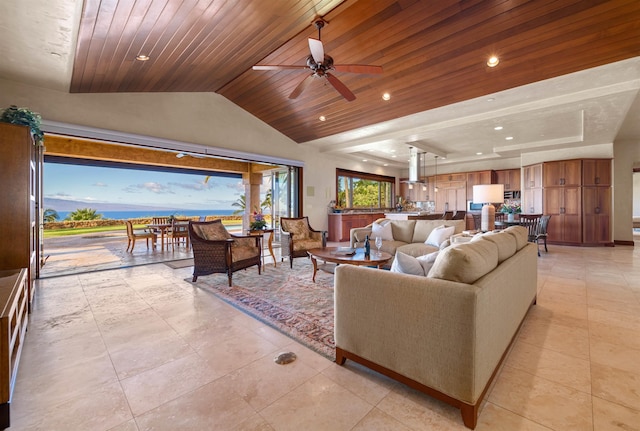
(84, 214)
(266, 203)
(50, 215)
(240, 203)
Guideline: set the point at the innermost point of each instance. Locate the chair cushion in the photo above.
(239, 252)
(299, 229)
(383, 230)
(212, 231)
(465, 262)
(306, 244)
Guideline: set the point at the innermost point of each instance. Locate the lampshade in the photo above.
(488, 193)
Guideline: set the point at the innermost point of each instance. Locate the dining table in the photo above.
(163, 228)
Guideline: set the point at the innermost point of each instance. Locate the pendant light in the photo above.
(424, 171)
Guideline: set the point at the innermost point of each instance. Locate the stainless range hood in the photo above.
(415, 167)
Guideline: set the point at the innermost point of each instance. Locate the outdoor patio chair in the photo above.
(132, 236)
(177, 233)
(297, 236)
(215, 250)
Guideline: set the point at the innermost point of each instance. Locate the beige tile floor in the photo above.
(141, 349)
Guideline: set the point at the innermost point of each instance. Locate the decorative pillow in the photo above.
(382, 229)
(466, 262)
(406, 264)
(439, 235)
(211, 232)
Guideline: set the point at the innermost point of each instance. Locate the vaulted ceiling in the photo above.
(433, 55)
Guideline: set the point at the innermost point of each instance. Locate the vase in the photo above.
(511, 217)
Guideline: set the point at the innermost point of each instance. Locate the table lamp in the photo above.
(488, 194)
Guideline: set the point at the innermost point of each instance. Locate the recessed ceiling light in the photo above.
(497, 128)
(490, 99)
(509, 138)
(478, 154)
(142, 57)
(386, 164)
(365, 160)
(386, 96)
(322, 118)
(394, 156)
(493, 61)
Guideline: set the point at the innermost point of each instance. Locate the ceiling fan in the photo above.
(320, 64)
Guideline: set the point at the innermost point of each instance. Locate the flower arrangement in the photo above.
(511, 209)
(258, 222)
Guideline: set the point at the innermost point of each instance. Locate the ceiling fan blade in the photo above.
(277, 67)
(300, 88)
(342, 89)
(357, 68)
(317, 50)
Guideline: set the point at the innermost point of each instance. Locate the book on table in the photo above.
(345, 251)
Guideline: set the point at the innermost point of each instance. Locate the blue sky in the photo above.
(125, 186)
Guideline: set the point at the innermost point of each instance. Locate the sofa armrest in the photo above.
(357, 234)
(420, 327)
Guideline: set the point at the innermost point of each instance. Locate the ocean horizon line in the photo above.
(118, 215)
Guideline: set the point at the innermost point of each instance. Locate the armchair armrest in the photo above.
(357, 234)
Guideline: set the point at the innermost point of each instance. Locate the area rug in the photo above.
(283, 298)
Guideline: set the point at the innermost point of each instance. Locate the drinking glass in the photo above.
(378, 243)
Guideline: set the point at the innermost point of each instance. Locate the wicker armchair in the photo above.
(297, 237)
(217, 251)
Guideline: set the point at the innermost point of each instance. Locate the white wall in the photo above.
(636, 194)
(198, 118)
(627, 155)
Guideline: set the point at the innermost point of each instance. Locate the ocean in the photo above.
(124, 215)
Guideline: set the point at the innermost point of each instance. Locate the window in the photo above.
(363, 190)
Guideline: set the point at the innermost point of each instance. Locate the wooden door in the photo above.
(532, 201)
(565, 173)
(564, 205)
(532, 176)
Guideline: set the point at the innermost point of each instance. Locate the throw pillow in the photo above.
(383, 230)
(439, 235)
(406, 264)
(212, 232)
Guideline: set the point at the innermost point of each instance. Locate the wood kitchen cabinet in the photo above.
(340, 225)
(532, 192)
(563, 204)
(510, 178)
(20, 176)
(451, 196)
(596, 215)
(596, 172)
(562, 173)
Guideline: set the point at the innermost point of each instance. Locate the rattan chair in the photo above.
(297, 237)
(132, 236)
(217, 251)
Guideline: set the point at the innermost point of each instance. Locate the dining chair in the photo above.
(448, 215)
(132, 236)
(541, 235)
(178, 232)
(531, 222)
(459, 215)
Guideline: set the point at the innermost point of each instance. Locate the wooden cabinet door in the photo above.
(596, 210)
(564, 205)
(514, 179)
(596, 172)
(532, 176)
(510, 178)
(532, 201)
(477, 178)
(564, 173)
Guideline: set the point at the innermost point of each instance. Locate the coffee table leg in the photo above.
(315, 268)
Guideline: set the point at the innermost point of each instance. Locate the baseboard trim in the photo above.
(621, 242)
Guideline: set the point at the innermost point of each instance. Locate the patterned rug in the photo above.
(285, 299)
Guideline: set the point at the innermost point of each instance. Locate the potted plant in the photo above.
(24, 117)
(511, 209)
(258, 223)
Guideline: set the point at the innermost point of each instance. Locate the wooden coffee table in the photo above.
(329, 256)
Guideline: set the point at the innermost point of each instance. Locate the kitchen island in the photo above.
(413, 215)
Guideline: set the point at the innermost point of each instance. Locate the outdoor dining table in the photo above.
(164, 227)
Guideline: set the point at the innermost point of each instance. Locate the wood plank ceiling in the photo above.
(433, 52)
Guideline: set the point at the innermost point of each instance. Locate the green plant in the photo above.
(84, 214)
(511, 209)
(258, 222)
(24, 117)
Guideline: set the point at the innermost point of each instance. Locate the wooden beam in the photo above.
(89, 149)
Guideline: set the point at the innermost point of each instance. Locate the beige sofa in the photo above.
(408, 235)
(444, 334)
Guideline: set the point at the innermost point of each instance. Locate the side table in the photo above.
(261, 233)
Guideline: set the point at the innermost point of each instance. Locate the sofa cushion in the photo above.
(383, 230)
(406, 264)
(520, 233)
(415, 249)
(465, 262)
(505, 242)
(403, 230)
(439, 235)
